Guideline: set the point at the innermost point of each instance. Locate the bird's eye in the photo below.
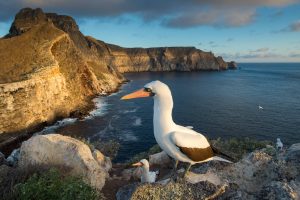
(147, 90)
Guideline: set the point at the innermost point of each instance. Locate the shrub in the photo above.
(52, 185)
(238, 147)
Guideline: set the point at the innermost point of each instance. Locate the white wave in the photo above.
(100, 110)
(137, 121)
(128, 136)
(54, 127)
(129, 111)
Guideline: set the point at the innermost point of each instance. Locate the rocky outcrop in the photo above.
(293, 154)
(261, 174)
(50, 70)
(232, 65)
(158, 59)
(58, 150)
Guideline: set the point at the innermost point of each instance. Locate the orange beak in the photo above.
(138, 164)
(137, 94)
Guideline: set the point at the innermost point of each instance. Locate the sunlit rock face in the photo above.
(49, 69)
(58, 150)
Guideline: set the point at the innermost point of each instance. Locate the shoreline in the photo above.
(13, 140)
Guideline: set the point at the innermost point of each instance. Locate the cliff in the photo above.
(158, 59)
(49, 69)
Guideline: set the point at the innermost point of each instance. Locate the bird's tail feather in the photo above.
(218, 153)
(220, 159)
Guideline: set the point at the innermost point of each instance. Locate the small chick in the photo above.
(279, 144)
(147, 176)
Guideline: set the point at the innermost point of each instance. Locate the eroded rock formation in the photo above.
(47, 71)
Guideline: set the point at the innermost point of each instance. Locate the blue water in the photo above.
(217, 104)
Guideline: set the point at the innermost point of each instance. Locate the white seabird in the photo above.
(260, 107)
(279, 144)
(179, 142)
(147, 175)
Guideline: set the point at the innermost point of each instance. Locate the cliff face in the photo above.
(158, 59)
(47, 72)
(49, 69)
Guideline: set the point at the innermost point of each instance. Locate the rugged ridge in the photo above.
(49, 69)
(158, 59)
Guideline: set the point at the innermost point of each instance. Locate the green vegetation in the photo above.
(53, 185)
(238, 147)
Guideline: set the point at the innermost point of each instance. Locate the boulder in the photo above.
(293, 153)
(125, 192)
(160, 158)
(278, 190)
(58, 150)
(102, 160)
(232, 65)
(13, 158)
(134, 173)
(172, 190)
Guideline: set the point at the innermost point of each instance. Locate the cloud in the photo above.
(293, 27)
(171, 13)
(294, 55)
(277, 14)
(260, 54)
(260, 50)
(252, 54)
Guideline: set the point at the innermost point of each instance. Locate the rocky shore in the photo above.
(265, 173)
(50, 70)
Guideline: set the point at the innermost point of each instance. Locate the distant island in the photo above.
(50, 70)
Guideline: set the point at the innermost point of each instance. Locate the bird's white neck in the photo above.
(162, 120)
(145, 174)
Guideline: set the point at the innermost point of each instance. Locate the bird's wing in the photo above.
(189, 127)
(194, 146)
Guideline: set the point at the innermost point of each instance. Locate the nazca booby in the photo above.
(179, 142)
(147, 176)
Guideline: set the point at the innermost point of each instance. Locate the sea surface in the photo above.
(218, 104)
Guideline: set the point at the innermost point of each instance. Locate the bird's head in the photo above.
(152, 89)
(142, 163)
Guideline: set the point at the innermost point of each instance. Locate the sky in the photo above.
(239, 30)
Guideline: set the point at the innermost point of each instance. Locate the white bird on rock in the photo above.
(179, 142)
(147, 175)
(279, 144)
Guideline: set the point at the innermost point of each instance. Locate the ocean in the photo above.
(217, 104)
